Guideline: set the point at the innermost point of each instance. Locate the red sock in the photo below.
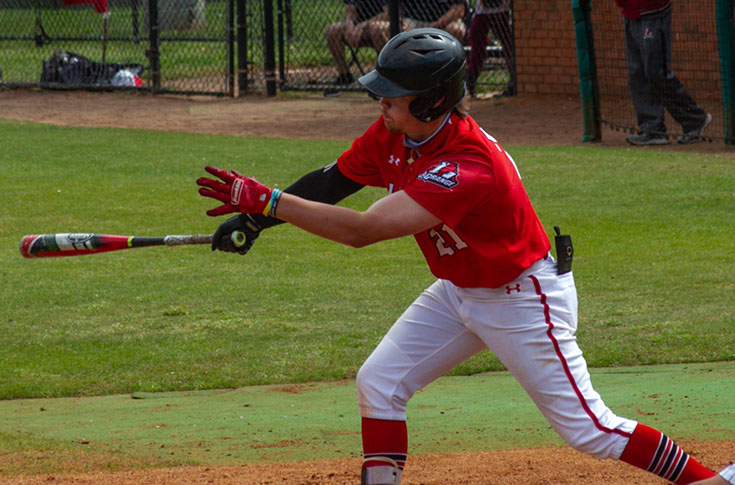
(384, 438)
(655, 452)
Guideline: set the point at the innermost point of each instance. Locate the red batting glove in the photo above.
(238, 193)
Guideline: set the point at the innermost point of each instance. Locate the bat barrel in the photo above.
(70, 244)
(76, 244)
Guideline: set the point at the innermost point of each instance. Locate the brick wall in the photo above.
(546, 51)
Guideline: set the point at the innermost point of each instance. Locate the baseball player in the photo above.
(459, 193)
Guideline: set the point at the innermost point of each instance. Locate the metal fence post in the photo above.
(289, 20)
(725, 41)
(513, 84)
(231, 47)
(153, 54)
(587, 68)
(270, 49)
(281, 42)
(242, 48)
(136, 21)
(394, 16)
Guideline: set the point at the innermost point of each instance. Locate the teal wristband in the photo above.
(275, 197)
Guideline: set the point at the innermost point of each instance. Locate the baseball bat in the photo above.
(78, 244)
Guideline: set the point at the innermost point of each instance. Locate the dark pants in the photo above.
(653, 85)
(499, 24)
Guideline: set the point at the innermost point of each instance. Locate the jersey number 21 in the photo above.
(447, 241)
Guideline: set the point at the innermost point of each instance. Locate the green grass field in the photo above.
(652, 233)
(653, 265)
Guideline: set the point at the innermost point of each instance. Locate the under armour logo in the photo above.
(517, 288)
(393, 160)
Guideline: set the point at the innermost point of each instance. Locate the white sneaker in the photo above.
(729, 474)
(390, 474)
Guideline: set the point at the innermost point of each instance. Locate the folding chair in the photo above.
(355, 58)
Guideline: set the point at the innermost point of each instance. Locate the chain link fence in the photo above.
(227, 47)
(175, 46)
(325, 45)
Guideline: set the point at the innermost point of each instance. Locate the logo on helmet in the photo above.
(444, 174)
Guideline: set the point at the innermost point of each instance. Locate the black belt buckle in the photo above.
(564, 252)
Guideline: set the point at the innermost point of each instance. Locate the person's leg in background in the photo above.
(336, 45)
(479, 29)
(379, 33)
(503, 31)
(644, 64)
(677, 101)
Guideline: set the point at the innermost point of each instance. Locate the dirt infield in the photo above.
(524, 120)
(546, 466)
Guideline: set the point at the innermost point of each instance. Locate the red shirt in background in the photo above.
(633, 9)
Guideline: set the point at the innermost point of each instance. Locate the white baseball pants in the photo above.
(528, 324)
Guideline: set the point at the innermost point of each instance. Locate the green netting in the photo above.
(702, 59)
(726, 45)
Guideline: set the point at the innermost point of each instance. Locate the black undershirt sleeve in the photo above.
(326, 185)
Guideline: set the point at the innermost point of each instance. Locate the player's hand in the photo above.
(236, 192)
(245, 225)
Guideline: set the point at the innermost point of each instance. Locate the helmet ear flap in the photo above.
(425, 107)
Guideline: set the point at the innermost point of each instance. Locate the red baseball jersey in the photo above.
(489, 232)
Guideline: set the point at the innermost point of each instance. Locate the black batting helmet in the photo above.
(428, 63)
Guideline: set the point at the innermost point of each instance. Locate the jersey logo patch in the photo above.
(444, 174)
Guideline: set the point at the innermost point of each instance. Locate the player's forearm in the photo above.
(339, 224)
(393, 216)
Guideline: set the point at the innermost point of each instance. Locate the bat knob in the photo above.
(25, 246)
(238, 239)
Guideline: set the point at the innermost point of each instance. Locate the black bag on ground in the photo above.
(70, 68)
